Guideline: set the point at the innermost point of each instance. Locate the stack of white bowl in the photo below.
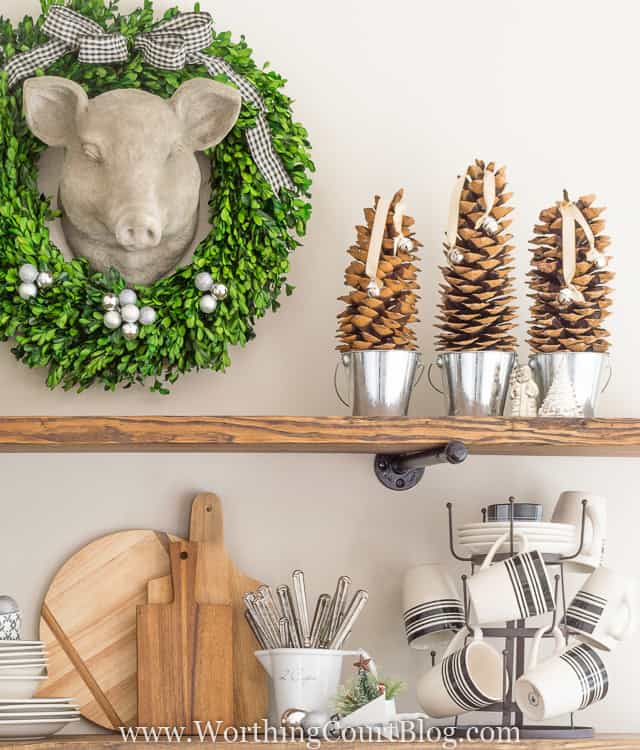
(23, 669)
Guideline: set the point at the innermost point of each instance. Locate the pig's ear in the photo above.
(208, 110)
(52, 106)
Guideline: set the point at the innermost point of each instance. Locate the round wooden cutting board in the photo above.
(88, 623)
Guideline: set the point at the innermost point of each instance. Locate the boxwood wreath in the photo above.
(252, 231)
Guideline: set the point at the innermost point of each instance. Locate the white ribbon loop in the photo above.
(454, 210)
(170, 45)
(570, 213)
(489, 196)
(398, 216)
(376, 238)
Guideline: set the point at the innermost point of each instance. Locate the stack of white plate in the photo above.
(23, 668)
(550, 538)
(35, 718)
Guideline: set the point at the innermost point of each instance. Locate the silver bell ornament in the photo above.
(208, 304)
(127, 297)
(373, 290)
(130, 313)
(109, 301)
(490, 226)
(28, 290)
(44, 280)
(564, 297)
(406, 244)
(112, 319)
(455, 256)
(147, 315)
(28, 273)
(130, 331)
(204, 281)
(220, 290)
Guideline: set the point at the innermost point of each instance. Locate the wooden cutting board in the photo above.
(185, 670)
(88, 623)
(250, 685)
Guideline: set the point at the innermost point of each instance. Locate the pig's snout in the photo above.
(138, 231)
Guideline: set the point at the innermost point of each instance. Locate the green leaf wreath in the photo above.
(252, 235)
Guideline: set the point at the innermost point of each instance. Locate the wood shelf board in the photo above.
(195, 434)
(115, 742)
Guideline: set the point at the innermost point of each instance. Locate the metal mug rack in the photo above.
(516, 633)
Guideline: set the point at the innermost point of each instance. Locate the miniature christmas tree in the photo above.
(364, 688)
(569, 279)
(477, 310)
(381, 306)
(561, 399)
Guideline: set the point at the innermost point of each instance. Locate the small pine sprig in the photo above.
(362, 690)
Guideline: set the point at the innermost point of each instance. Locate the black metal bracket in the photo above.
(403, 471)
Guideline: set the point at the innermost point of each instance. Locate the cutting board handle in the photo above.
(184, 560)
(207, 522)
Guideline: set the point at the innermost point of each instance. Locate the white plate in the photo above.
(24, 662)
(26, 670)
(32, 729)
(36, 702)
(7, 716)
(558, 548)
(18, 644)
(530, 537)
(12, 686)
(538, 526)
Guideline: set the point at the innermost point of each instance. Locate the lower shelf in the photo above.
(115, 742)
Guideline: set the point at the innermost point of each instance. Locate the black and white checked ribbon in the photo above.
(170, 45)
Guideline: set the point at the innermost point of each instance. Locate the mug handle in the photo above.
(524, 547)
(459, 638)
(621, 633)
(430, 379)
(595, 529)
(344, 362)
(537, 640)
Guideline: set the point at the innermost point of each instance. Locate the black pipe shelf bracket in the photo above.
(403, 471)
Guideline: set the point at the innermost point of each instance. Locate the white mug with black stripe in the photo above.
(573, 679)
(469, 677)
(514, 589)
(603, 612)
(432, 608)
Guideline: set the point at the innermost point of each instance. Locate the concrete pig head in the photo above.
(130, 184)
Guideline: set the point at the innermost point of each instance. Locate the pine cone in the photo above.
(576, 326)
(381, 318)
(477, 303)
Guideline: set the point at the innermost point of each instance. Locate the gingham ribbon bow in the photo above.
(170, 45)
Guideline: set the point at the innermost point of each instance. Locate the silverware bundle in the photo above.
(288, 625)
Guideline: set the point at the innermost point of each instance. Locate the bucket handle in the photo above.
(344, 361)
(429, 371)
(420, 372)
(610, 375)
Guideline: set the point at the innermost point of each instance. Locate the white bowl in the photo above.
(38, 704)
(32, 729)
(550, 547)
(9, 715)
(16, 686)
(23, 670)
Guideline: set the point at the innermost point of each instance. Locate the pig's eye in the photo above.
(91, 151)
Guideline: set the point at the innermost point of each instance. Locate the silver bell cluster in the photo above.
(32, 280)
(122, 311)
(213, 292)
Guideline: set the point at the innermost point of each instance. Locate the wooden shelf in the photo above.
(486, 435)
(114, 742)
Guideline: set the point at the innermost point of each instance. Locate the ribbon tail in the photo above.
(376, 238)
(454, 211)
(568, 244)
(258, 137)
(398, 216)
(488, 194)
(25, 64)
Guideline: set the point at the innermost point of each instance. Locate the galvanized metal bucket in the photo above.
(379, 382)
(587, 373)
(474, 384)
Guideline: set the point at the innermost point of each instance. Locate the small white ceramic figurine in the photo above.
(524, 392)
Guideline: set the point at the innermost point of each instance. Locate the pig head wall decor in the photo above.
(130, 184)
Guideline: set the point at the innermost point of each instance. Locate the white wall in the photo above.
(392, 95)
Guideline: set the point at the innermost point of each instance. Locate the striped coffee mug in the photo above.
(603, 612)
(470, 677)
(433, 611)
(572, 679)
(514, 589)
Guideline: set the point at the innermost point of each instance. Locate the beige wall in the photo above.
(392, 95)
